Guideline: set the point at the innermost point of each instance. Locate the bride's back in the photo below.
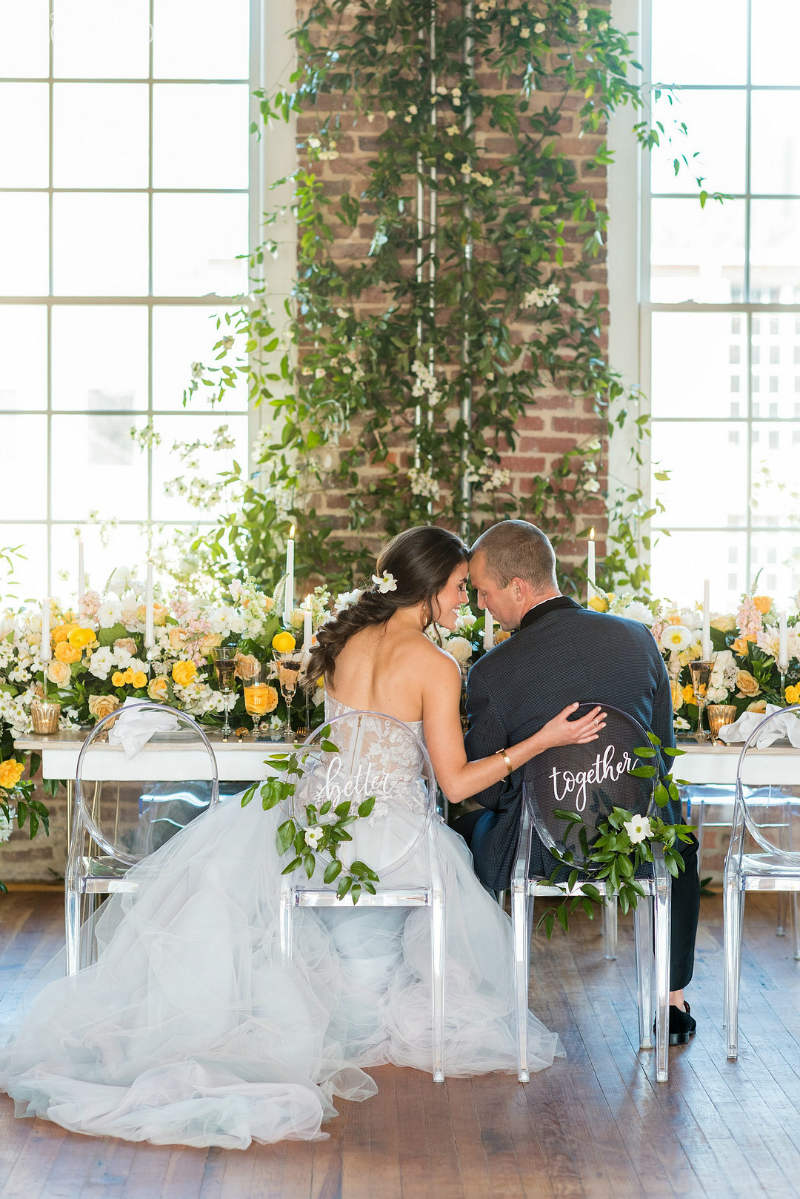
(380, 668)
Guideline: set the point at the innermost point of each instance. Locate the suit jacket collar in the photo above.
(551, 605)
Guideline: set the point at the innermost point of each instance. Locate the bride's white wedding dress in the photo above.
(190, 1029)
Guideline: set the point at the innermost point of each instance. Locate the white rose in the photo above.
(108, 614)
(636, 610)
(459, 648)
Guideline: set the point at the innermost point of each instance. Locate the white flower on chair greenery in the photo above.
(318, 840)
(622, 845)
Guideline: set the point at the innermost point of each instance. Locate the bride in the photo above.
(191, 1029)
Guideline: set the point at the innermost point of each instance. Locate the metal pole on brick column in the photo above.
(466, 395)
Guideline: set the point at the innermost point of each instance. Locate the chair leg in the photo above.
(286, 907)
(698, 832)
(733, 915)
(662, 910)
(72, 919)
(643, 944)
(437, 982)
(521, 919)
(610, 928)
(795, 916)
(501, 899)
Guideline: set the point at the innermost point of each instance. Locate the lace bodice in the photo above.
(387, 757)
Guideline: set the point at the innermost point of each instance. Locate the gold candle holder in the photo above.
(45, 716)
(718, 716)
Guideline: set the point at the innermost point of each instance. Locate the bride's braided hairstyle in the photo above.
(421, 561)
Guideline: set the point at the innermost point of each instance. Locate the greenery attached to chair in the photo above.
(17, 804)
(318, 840)
(622, 845)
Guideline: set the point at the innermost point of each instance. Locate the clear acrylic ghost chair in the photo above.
(108, 838)
(376, 755)
(767, 867)
(585, 778)
(719, 800)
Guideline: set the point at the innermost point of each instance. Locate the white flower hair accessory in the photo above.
(385, 582)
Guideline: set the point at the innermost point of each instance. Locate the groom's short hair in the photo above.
(515, 549)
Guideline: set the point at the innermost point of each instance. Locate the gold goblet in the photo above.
(701, 673)
(288, 663)
(718, 716)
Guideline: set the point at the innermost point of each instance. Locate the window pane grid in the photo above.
(725, 397)
(94, 428)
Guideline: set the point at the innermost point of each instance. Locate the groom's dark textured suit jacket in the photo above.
(564, 653)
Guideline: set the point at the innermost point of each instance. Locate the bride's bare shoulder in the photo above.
(431, 657)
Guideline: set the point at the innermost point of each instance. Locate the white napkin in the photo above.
(134, 729)
(740, 730)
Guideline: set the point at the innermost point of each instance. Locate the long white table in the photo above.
(166, 757)
(706, 763)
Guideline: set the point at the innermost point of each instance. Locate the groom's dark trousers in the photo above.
(563, 653)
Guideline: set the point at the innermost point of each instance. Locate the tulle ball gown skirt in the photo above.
(190, 1028)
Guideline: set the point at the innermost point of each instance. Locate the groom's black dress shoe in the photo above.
(682, 1025)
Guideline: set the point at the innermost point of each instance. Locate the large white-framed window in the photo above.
(129, 187)
(720, 298)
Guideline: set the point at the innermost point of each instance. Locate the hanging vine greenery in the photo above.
(406, 371)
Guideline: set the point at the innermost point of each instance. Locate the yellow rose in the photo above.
(283, 642)
(724, 624)
(741, 644)
(209, 642)
(64, 652)
(126, 643)
(177, 636)
(118, 679)
(80, 638)
(59, 672)
(501, 635)
(61, 632)
(157, 688)
(792, 694)
(688, 694)
(183, 673)
(102, 705)
(139, 678)
(746, 683)
(758, 705)
(10, 773)
(598, 603)
(763, 603)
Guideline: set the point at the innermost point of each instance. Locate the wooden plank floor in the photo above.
(596, 1124)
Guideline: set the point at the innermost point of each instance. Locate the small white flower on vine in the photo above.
(391, 114)
(525, 33)
(313, 836)
(591, 484)
(423, 483)
(514, 22)
(539, 27)
(342, 313)
(638, 829)
(328, 155)
(449, 155)
(313, 143)
(441, 90)
(412, 108)
(466, 169)
(319, 373)
(407, 120)
(452, 130)
(541, 296)
(385, 582)
(370, 117)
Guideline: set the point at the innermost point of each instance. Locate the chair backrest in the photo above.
(589, 780)
(765, 780)
(364, 754)
(146, 813)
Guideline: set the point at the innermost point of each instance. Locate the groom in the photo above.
(561, 653)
